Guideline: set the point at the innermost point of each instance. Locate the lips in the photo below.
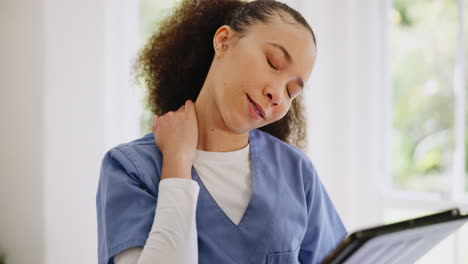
(258, 109)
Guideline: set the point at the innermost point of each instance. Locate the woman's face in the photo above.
(257, 76)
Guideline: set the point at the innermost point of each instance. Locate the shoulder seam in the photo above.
(131, 161)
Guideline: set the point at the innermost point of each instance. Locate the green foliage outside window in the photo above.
(423, 44)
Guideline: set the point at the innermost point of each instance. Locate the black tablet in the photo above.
(402, 242)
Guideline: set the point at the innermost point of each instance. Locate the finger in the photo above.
(189, 105)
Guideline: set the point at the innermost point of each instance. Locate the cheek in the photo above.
(280, 112)
(250, 64)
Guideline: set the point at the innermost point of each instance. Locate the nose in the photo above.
(273, 95)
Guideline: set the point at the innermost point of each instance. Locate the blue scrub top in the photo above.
(289, 219)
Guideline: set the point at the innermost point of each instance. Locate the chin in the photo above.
(238, 125)
(239, 129)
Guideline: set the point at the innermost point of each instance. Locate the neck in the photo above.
(213, 133)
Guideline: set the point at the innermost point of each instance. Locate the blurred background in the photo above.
(387, 111)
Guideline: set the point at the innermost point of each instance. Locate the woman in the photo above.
(217, 181)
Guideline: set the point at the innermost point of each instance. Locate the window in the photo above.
(429, 138)
(427, 103)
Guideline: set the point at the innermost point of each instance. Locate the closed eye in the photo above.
(271, 65)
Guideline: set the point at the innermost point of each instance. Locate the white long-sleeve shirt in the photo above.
(173, 236)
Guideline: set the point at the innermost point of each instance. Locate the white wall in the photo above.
(22, 61)
(74, 100)
(346, 104)
(90, 107)
(64, 70)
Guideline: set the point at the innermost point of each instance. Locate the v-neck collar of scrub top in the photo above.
(247, 233)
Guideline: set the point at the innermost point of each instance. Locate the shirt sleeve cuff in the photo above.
(179, 183)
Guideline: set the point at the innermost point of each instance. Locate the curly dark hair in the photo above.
(175, 61)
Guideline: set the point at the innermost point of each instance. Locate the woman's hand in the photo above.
(176, 135)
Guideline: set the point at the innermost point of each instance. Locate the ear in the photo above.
(221, 39)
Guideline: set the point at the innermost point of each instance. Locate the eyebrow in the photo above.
(288, 58)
